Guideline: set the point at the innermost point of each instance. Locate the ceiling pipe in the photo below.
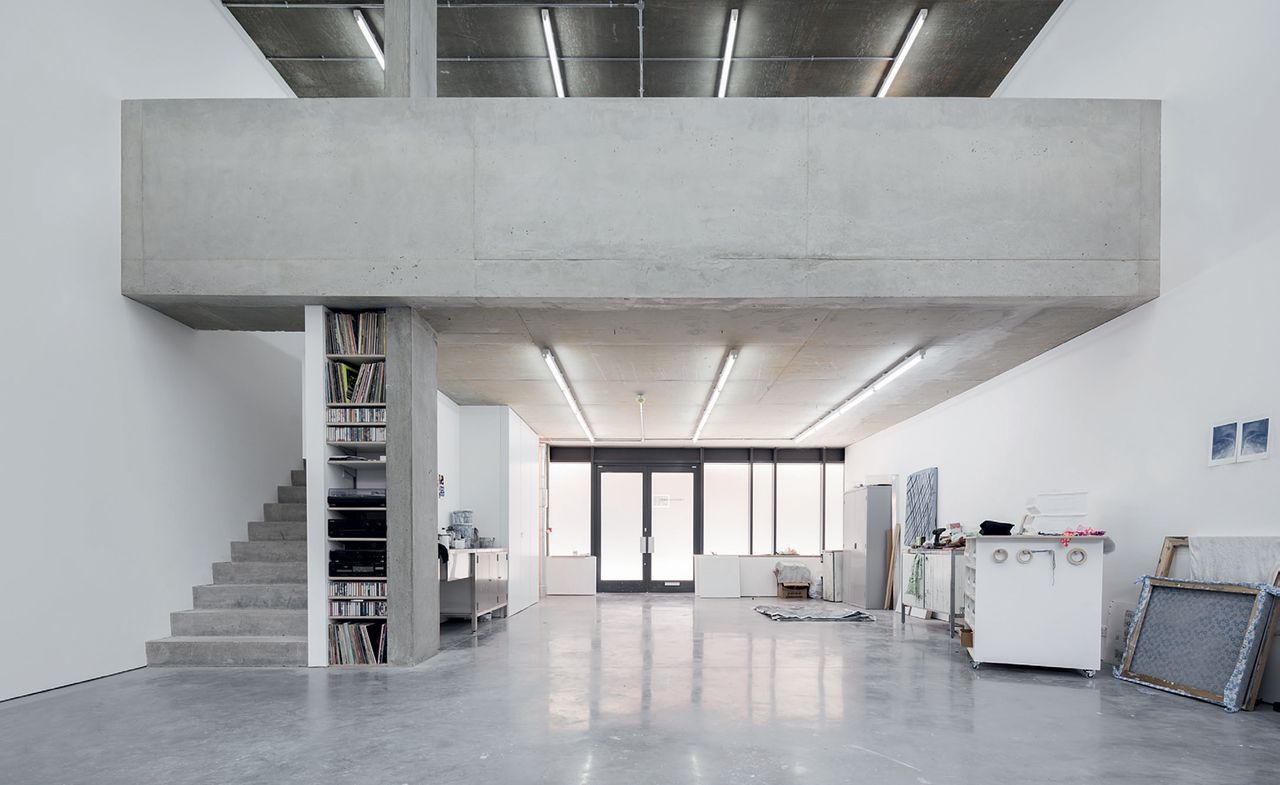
(907, 43)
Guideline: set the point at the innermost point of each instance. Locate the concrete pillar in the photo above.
(410, 41)
(413, 591)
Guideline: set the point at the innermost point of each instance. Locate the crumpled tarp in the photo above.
(825, 612)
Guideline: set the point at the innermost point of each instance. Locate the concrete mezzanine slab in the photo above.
(237, 212)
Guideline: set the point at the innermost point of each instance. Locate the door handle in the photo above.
(646, 544)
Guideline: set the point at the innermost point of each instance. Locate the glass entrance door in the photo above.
(646, 527)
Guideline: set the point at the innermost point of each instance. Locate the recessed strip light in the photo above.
(552, 55)
(725, 368)
(866, 392)
(729, 38)
(370, 38)
(902, 53)
(554, 365)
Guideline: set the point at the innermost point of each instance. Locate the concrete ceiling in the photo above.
(800, 47)
(795, 364)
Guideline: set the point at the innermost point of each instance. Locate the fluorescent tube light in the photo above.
(902, 53)
(369, 38)
(725, 368)
(866, 392)
(898, 370)
(551, 54)
(729, 38)
(550, 359)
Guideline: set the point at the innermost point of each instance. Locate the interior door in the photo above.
(670, 530)
(646, 527)
(620, 543)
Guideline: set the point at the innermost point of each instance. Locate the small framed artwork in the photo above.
(1254, 439)
(1223, 443)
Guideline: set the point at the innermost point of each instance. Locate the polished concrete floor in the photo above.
(638, 689)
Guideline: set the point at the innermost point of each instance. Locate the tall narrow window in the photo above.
(569, 509)
(799, 508)
(762, 508)
(726, 508)
(834, 502)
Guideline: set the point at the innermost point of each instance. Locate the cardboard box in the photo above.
(966, 637)
(793, 591)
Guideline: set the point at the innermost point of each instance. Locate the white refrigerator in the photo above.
(868, 519)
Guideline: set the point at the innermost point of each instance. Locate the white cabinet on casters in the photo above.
(1030, 600)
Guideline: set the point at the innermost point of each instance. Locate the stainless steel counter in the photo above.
(474, 583)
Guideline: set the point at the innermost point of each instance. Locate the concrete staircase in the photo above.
(255, 611)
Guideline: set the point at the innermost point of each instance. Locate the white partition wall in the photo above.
(499, 482)
(522, 514)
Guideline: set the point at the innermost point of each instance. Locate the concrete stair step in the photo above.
(238, 621)
(250, 595)
(291, 494)
(298, 477)
(275, 511)
(228, 651)
(243, 572)
(277, 530)
(269, 550)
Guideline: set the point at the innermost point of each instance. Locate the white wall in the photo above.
(448, 455)
(522, 509)
(137, 449)
(1124, 411)
(499, 481)
(1219, 112)
(483, 469)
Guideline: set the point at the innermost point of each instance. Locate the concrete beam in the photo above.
(410, 31)
(413, 572)
(271, 204)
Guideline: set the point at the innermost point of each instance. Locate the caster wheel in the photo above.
(1088, 674)
(975, 665)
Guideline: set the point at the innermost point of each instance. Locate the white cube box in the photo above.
(1030, 600)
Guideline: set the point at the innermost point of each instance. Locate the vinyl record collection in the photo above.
(356, 425)
(352, 643)
(346, 383)
(368, 589)
(357, 333)
(358, 608)
(357, 415)
(357, 433)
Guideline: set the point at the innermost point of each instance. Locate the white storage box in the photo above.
(1055, 523)
(1073, 503)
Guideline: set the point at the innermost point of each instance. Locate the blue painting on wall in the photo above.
(1222, 448)
(1254, 438)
